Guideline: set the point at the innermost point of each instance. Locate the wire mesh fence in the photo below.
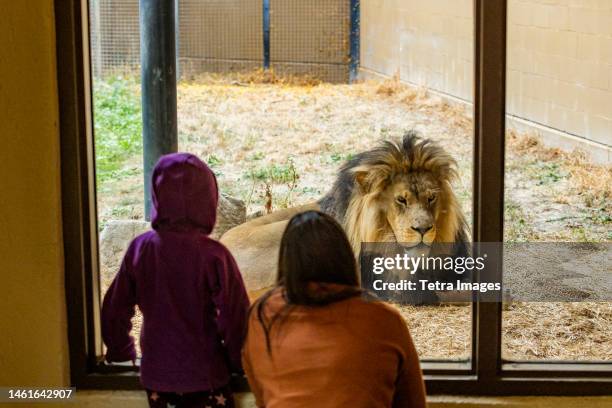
(306, 37)
(310, 37)
(114, 36)
(220, 36)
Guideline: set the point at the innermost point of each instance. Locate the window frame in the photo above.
(485, 374)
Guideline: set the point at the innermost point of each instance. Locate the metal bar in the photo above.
(354, 40)
(489, 143)
(266, 34)
(177, 36)
(158, 82)
(501, 386)
(554, 370)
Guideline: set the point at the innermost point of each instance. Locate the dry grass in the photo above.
(247, 126)
(591, 182)
(256, 77)
(558, 331)
(531, 331)
(440, 332)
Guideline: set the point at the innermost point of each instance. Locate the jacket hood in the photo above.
(185, 193)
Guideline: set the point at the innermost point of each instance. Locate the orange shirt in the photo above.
(353, 353)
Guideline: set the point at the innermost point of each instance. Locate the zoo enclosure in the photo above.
(291, 36)
(559, 52)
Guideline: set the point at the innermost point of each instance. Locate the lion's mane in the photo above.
(353, 199)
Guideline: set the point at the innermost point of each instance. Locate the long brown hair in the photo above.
(314, 252)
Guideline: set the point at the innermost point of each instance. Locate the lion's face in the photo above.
(400, 192)
(410, 206)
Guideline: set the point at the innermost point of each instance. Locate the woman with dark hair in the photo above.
(317, 340)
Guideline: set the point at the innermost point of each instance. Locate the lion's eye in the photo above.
(431, 199)
(401, 200)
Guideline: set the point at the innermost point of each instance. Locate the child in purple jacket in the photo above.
(190, 292)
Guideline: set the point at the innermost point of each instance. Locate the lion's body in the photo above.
(363, 200)
(255, 246)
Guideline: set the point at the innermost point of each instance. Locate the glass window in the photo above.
(558, 182)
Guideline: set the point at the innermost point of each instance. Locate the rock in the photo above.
(230, 212)
(117, 235)
(114, 240)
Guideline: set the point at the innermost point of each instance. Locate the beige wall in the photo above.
(427, 43)
(560, 65)
(559, 56)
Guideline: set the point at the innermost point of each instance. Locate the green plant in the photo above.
(213, 161)
(117, 125)
(340, 157)
(547, 173)
(256, 156)
(275, 173)
(517, 227)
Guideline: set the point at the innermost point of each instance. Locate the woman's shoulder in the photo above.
(371, 305)
(363, 309)
(382, 321)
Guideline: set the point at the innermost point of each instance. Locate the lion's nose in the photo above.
(422, 230)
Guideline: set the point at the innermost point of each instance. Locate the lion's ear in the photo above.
(368, 177)
(361, 178)
(361, 175)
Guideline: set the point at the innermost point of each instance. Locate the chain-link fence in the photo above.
(306, 36)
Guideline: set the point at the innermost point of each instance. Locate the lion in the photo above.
(400, 191)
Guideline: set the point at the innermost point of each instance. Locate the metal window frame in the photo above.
(486, 374)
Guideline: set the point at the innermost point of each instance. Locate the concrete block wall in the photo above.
(560, 65)
(559, 59)
(428, 43)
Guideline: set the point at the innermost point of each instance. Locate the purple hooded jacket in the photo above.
(186, 284)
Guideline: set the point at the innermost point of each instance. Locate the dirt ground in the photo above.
(281, 143)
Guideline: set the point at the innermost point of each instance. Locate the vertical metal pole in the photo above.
(177, 36)
(97, 48)
(158, 83)
(266, 34)
(354, 40)
(489, 155)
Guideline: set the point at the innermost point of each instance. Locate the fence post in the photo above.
(266, 34)
(177, 37)
(158, 84)
(354, 40)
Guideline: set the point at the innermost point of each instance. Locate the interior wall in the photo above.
(33, 345)
(559, 56)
